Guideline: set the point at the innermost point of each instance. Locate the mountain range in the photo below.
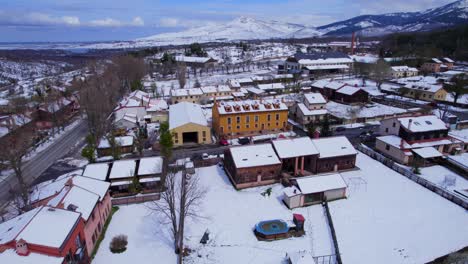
(247, 28)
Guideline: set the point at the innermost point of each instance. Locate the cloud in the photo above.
(36, 19)
(43, 19)
(110, 22)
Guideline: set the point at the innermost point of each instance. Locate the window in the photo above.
(176, 141)
(247, 126)
(387, 147)
(204, 139)
(269, 117)
(238, 127)
(386, 130)
(277, 117)
(222, 129)
(229, 120)
(247, 119)
(238, 119)
(175, 136)
(203, 133)
(394, 124)
(256, 118)
(78, 241)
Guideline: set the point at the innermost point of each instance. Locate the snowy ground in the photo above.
(388, 220)
(230, 217)
(444, 177)
(392, 219)
(368, 111)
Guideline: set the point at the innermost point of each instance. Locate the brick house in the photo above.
(253, 165)
(87, 196)
(298, 155)
(335, 154)
(351, 95)
(24, 239)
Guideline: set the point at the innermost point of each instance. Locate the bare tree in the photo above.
(15, 146)
(98, 96)
(129, 70)
(180, 200)
(181, 74)
(380, 72)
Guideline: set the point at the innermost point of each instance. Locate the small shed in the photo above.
(315, 189)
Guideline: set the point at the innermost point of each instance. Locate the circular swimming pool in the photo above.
(271, 227)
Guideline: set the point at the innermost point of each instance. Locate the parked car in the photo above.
(205, 156)
(224, 142)
(244, 141)
(340, 129)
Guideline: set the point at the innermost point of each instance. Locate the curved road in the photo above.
(33, 168)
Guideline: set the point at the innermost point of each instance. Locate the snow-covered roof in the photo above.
(84, 200)
(422, 123)
(96, 171)
(394, 141)
(150, 165)
(325, 61)
(248, 106)
(215, 89)
(185, 113)
(315, 98)
(255, 90)
(307, 112)
(186, 92)
(294, 147)
(291, 191)
(124, 141)
(321, 83)
(122, 169)
(404, 69)
(448, 60)
(436, 60)
(254, 155)
(157, 105)
(335, 85)
(49, 188)
(60, 224)
(461, 135)
(10, 229)
(333, 147)
(315, 184)
(424, 87)
(234, 83)
(10, 256)
(327, 67)
(192, 59)
(271, 86)
(428, 152)
(95, 186)
(348, 90)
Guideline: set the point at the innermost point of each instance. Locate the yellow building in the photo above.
(429, 93)
(250, 117)
(188, 124)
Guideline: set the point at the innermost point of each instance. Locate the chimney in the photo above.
(402, 144)
(409, 123)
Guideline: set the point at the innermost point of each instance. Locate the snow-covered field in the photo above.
(444, 177)
(392, 219)
(368, 111)
(388, 220)
(230, 218)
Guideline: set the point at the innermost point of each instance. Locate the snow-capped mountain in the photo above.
(246, 28)
(242, 28)
(445, 16)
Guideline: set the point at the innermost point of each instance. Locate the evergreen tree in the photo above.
(325, 130)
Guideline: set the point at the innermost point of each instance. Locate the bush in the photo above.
(118, 244)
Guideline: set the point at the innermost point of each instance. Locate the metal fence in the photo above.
(414, 177)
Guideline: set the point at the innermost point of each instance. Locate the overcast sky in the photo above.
(98, 20)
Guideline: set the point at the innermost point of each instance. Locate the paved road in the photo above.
(33, 168)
